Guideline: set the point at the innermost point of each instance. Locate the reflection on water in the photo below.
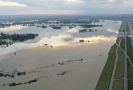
(12, 28)
(9, 39)
(56, 60)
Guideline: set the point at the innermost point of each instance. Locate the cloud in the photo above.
(100, 12)
(41, 11)
(12, 28)
(66, 7)
(8, 3)
(102, 2)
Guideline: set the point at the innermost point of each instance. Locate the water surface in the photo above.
(63, 64)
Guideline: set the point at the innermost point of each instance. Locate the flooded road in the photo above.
(56, 60)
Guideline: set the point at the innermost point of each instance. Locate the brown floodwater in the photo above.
(63, 64)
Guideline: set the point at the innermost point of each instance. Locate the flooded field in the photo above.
(56, 59)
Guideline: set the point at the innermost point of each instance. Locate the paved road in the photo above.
(126, 55)
(113, 73)
(125, 61)
(125, 64)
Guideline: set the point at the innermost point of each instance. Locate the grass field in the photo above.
(118, 85)
(127, 28)
(130, 85)
(129, 71)
(129, 49)
(121, 27)
(104, 80)
(129, 67)
(122, 45)
(119, 73)
(117, 40)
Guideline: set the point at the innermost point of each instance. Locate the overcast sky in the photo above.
(15, 7)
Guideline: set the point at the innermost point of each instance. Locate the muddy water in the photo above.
(63, 64)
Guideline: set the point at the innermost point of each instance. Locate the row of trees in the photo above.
(9, 39)
(17, 37)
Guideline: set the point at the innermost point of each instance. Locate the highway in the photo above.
(125, 63)
(126, 55)
(113, 73)
(125, 59)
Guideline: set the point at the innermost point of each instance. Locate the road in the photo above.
(125, 61)
(125, 64)
(126, 55)
(113, 73)
(130, 30)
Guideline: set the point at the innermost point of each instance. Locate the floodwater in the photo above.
(63, 64)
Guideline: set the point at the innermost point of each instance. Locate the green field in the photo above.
(121, 27)
(122, 45)
(129, 71)
(117, 40)
(119, 73)
(118, 85)
(130, 85)
(129, 49)
(127, 28)
(104, 80)
(129, 67)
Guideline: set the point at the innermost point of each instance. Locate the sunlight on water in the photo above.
(57, 59)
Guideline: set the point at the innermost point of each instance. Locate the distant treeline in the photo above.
(17, 37)
(46, 21)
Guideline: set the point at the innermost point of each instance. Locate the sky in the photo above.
(26, 7)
